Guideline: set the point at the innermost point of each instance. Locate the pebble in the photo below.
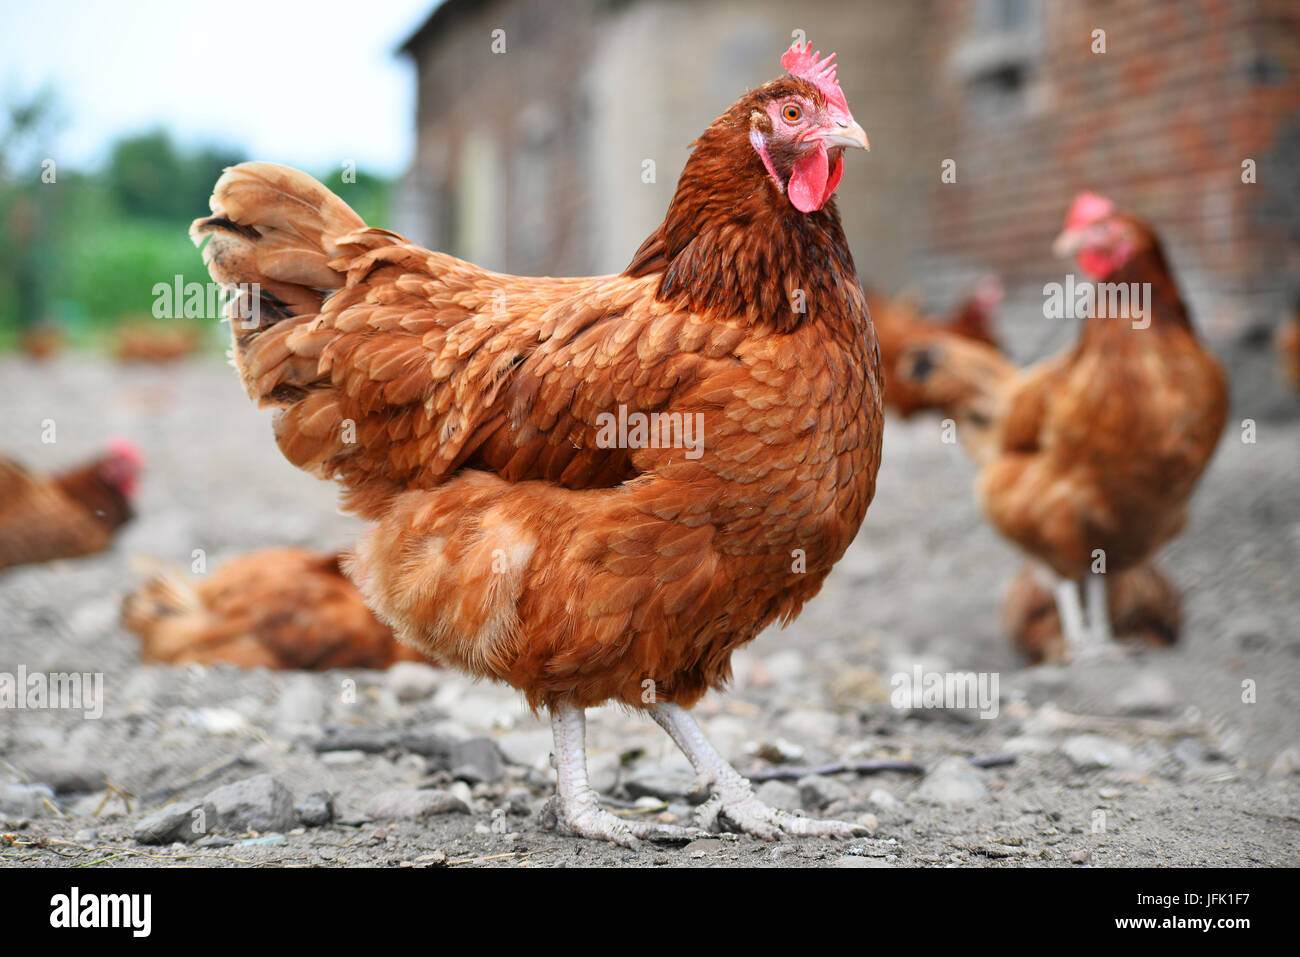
(806, 725)
(1149, 692)
(530, 749)
(1029, 744)
(780, 795)
(660, 781)
(476, 760)
(952, 782)
(185, 822)
(1286, 763)
(1091, 752)
(300, 708)
(409, 804)
(259, 803)
(1080, 857)
(884, 799)
(870, 822)
(317, 809)
(25, 800)
(779, 751)
(412, 680)
(816, 791)
(342, 758)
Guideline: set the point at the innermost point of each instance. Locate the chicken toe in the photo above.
(733, 804)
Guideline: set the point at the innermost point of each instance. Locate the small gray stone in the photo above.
(186, 822)
(317, 809)
(300, 708)
(660, 781)
(24, 800)
(409, 804)
(477, 760)
(258, 803)
(1091, 752)
(952, 782)
(1149, 692)
(780, 795)
(1286, 763)
(884, 800)
(529, 749)
(412, 680)
(816, 791)
(342, 758)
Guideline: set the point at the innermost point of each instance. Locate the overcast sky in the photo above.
(310, 84)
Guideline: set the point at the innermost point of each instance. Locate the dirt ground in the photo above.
(1154, 759)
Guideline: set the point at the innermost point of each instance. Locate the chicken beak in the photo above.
(1067, 244)
(847, 134)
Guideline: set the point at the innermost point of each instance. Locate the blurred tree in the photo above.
(29, 126)
(149, 178)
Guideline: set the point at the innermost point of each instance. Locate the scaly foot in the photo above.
(585, 818)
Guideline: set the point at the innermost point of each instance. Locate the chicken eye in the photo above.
(791, 113)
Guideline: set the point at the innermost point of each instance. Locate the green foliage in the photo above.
(88, 250)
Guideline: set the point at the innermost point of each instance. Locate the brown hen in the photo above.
(70, 514)
(1088, 459)
(592, 489)
(284, 608)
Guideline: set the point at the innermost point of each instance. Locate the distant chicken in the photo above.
(69, 514)
(900, 325)
(285, 608)
(592, 489)
(1087, 459)
(1143, 605)
(141, 340)
(41, 340)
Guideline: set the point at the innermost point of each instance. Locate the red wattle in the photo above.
(808, 180)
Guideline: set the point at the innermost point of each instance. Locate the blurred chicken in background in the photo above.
(41, 340)
(900, 324)
(1143, 606)
(142, 340)
(281, 608)
(1088, 458)
(70, 514)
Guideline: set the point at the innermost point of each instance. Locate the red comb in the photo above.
(1087, 209)
(125, 450)
(800, 61)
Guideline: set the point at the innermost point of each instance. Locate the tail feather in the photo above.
(282, 230)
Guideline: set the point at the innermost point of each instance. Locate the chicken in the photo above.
(142, 340)
(1287, 341)
(1087, 460)
(899, 325)
(591, 489)
(284, 608)
(41, 340)
(1143, 606)
(70, 514)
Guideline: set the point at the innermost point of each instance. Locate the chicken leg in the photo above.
(733, 801)
(576, 809)
(1098, 612)
(1070, 611)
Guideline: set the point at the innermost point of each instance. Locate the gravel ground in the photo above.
(1151, 760)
